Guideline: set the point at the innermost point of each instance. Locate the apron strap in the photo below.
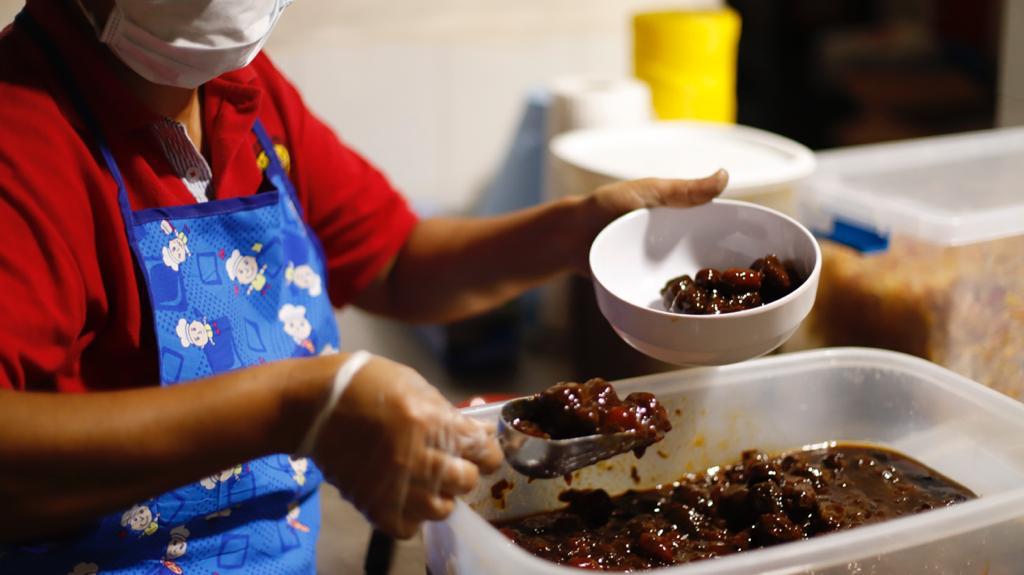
(26, 21)
(275, 171)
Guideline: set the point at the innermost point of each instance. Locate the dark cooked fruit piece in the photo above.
(829, 515)
(657, 546)
(650, 413)
(708, 278)
(799, 500)
(529, 427)
(718, 304)
(834, 460)
(670, 293)
(762, 471)
(742, 280)
(693, 301)
(584, 563)
(776, 281)
(687, 292)
(593, 505)
(745, 300)
(776, 528)
(562, 411)
(687, 519)
(619, 418)
(733, 503)
(752, 456)
(691, 496)
(765, 497)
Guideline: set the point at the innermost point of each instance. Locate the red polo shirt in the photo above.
(73, 314)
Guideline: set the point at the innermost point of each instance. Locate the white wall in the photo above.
(431, 90)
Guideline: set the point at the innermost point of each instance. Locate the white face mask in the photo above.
(186, 43)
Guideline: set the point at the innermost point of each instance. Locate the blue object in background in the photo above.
(491, 342)
(860, 238)
(519, 183)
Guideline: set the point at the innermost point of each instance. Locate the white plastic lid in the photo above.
(757, 161)
(947, 190)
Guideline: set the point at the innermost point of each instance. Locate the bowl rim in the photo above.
(792, 296)
(801, 165)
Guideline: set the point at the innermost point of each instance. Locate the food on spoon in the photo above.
(567, 410)
(711, 291)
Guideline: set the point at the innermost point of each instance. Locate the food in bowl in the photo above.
(631, 258)
(711, 291)
(761, 501)
(568, 409)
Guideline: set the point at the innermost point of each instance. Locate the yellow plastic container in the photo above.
(689, 61)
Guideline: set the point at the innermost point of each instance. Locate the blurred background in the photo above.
(445, 95)
(448, 79)
(439, 94)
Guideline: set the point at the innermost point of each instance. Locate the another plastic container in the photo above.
(763, 167)
(933, 261)
(959, 428)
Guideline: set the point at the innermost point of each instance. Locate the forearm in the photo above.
(452, 268)
(66, 459)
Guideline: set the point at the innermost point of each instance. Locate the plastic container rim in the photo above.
(881, 538)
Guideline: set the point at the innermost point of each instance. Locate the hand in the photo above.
(613, 200)
(399, 451)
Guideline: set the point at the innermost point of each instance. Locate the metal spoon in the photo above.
(545, 458)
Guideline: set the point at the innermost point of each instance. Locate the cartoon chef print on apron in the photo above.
(232, 283)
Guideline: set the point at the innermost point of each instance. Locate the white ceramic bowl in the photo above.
(633, 257)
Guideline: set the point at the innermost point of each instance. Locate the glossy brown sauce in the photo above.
(500, 487)
(761, 501)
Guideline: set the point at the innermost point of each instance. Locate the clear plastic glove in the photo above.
(399, 451)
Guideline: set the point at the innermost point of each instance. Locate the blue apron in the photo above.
(232, 283)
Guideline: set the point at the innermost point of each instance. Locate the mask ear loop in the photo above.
(88, 16)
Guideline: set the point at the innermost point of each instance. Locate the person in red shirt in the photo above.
(79, 363)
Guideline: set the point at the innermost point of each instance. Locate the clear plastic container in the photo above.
(959, 428)
(934, 261)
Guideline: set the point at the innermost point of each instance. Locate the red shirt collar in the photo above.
(116, 108)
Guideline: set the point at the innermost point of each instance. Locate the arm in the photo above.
(69, 458)
(392, 444)
(451, 268)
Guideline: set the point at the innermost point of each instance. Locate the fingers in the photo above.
(486, 455)
(619, 198)
(478, 443)
(402, 453)
(419, 505)
(686, 193)
(444, 474)
(426, 506)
